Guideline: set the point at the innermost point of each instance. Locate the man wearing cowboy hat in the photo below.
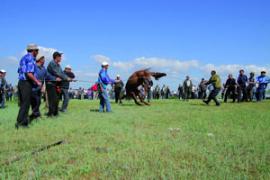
(262, 81)
(103, 81)
(27, 79)
(54, 87)
(3, 87)
(118, 87)
(65, 88)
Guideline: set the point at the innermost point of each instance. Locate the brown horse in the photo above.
(140, 78)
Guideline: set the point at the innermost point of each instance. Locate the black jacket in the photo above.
(65, 84)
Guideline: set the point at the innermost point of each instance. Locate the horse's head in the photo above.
(158, 75)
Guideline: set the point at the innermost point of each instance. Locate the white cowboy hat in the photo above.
(68, 67)
(3, 71)
(39, 56)
(32, 47)
(105, 63)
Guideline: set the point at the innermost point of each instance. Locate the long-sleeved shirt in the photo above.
(263, 81)
(242, 80)
(104, 79)
(27, 65)
(3, 83)
(42, 75)
(118, 85)
(56, 71)
(230, 83)
(65, 84)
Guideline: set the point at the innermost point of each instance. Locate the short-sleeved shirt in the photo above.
(263, 81)
(27, 65)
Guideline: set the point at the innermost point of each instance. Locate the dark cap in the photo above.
(55, 54)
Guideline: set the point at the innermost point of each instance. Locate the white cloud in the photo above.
(233, 68)
(176, 66)
(162, 64)
(101, 58)
(124, 65)
(47, 52)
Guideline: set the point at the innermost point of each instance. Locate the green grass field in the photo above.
(170, 139)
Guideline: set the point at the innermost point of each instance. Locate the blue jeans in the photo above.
(260, 94)
(65, 100)
(104, 101)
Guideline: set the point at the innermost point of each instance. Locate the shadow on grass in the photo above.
(199, 104)
(94, 110)
(128, 105)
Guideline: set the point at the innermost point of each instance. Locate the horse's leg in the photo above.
(142, 100)
(135, 99)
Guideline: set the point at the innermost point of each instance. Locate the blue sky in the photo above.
(192, 36)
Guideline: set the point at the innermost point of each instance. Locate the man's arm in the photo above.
(56, 71)
(33, 78)
(105, 78)
(30, 69)
(210, 81)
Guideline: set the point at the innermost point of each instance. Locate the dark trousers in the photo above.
(24, 95)
(202, 94)
(230, 90)
(53, 99)
(35, 103)
(242, 93)
(250, 93)
(149, 95)
(213, 96)
(187, 93)
(65, 99)
(117, 96)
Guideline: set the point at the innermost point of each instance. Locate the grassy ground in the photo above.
(168, 140)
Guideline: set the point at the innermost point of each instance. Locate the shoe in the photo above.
(17, 126)
(49, 115)
(206, 102)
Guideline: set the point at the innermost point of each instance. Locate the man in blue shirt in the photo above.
(27, 79)
(41, 74)
(103, 81)
(262, 81)
(242, 86)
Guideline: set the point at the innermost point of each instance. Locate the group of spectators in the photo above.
(242, 89)
(6, 90)
(36, 80)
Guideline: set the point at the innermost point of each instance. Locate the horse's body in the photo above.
(140, 78)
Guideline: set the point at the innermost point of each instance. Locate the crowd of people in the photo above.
(53, 83)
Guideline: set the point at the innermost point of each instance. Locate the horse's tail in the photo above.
(158, 75)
